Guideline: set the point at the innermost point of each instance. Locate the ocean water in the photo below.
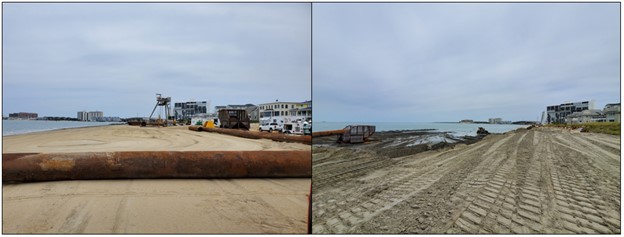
(454, 129)
(13, 127)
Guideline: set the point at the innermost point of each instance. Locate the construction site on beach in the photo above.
(539, 180)
(157, 178)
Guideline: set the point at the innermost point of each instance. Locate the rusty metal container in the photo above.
(234, 118)
(357, 133)
(32, 167)
(350, 134)
(329, 133)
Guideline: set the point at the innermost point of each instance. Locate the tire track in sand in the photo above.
(347, 214)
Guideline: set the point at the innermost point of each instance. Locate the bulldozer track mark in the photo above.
(376, 200)
(578, 201)
(609, 153)
(601, 163)
(532, 181)
(490, 199)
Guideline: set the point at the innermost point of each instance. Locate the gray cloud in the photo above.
(60, 58)
(446, 62)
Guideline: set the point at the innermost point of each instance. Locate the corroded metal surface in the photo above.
(256, 135)
(28, 167)
(349, 134)
(329, 133)
(234, 118)
(357, 133)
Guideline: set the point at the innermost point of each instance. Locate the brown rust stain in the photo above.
(59, 164)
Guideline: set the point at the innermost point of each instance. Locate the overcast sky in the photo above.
(446, 62)
(59, 59)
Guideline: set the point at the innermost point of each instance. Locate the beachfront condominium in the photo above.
(612, 112)
(82, 116)
(277, 108)
(559, 113)
(586, 116)
(186, 110)
(90, 116)
(495, 120)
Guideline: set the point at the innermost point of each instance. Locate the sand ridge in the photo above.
(133, 138)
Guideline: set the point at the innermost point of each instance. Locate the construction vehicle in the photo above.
(270, 127)
(295, 125)
(205, 120)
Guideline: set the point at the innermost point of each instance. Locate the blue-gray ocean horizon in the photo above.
(454, 129)
(15, 127)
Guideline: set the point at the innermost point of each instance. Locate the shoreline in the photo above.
(457, 129)
(404, 142)
(57, 129)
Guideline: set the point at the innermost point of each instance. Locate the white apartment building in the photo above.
(495, 120)
(612, 112)
(90, 116)
(279, 109)
(82, 116)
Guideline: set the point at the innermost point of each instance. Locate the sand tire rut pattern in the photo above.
(531, 181)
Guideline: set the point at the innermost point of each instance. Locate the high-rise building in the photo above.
(495, 120)
(94, 115)
(90, 116)
(82, 116)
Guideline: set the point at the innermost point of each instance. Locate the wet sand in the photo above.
(151, 206)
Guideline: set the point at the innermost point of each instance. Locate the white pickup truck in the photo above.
(270, 127)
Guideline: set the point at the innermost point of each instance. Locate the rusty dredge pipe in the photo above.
(255, 135)
(329, 133)
(29, 167)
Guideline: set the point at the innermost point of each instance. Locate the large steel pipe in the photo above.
(29, 167)
(329, 133)
(256, 135)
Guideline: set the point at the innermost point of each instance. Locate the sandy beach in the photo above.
(534, 181)
(147, 205)
(157, 206)
(133, 138)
